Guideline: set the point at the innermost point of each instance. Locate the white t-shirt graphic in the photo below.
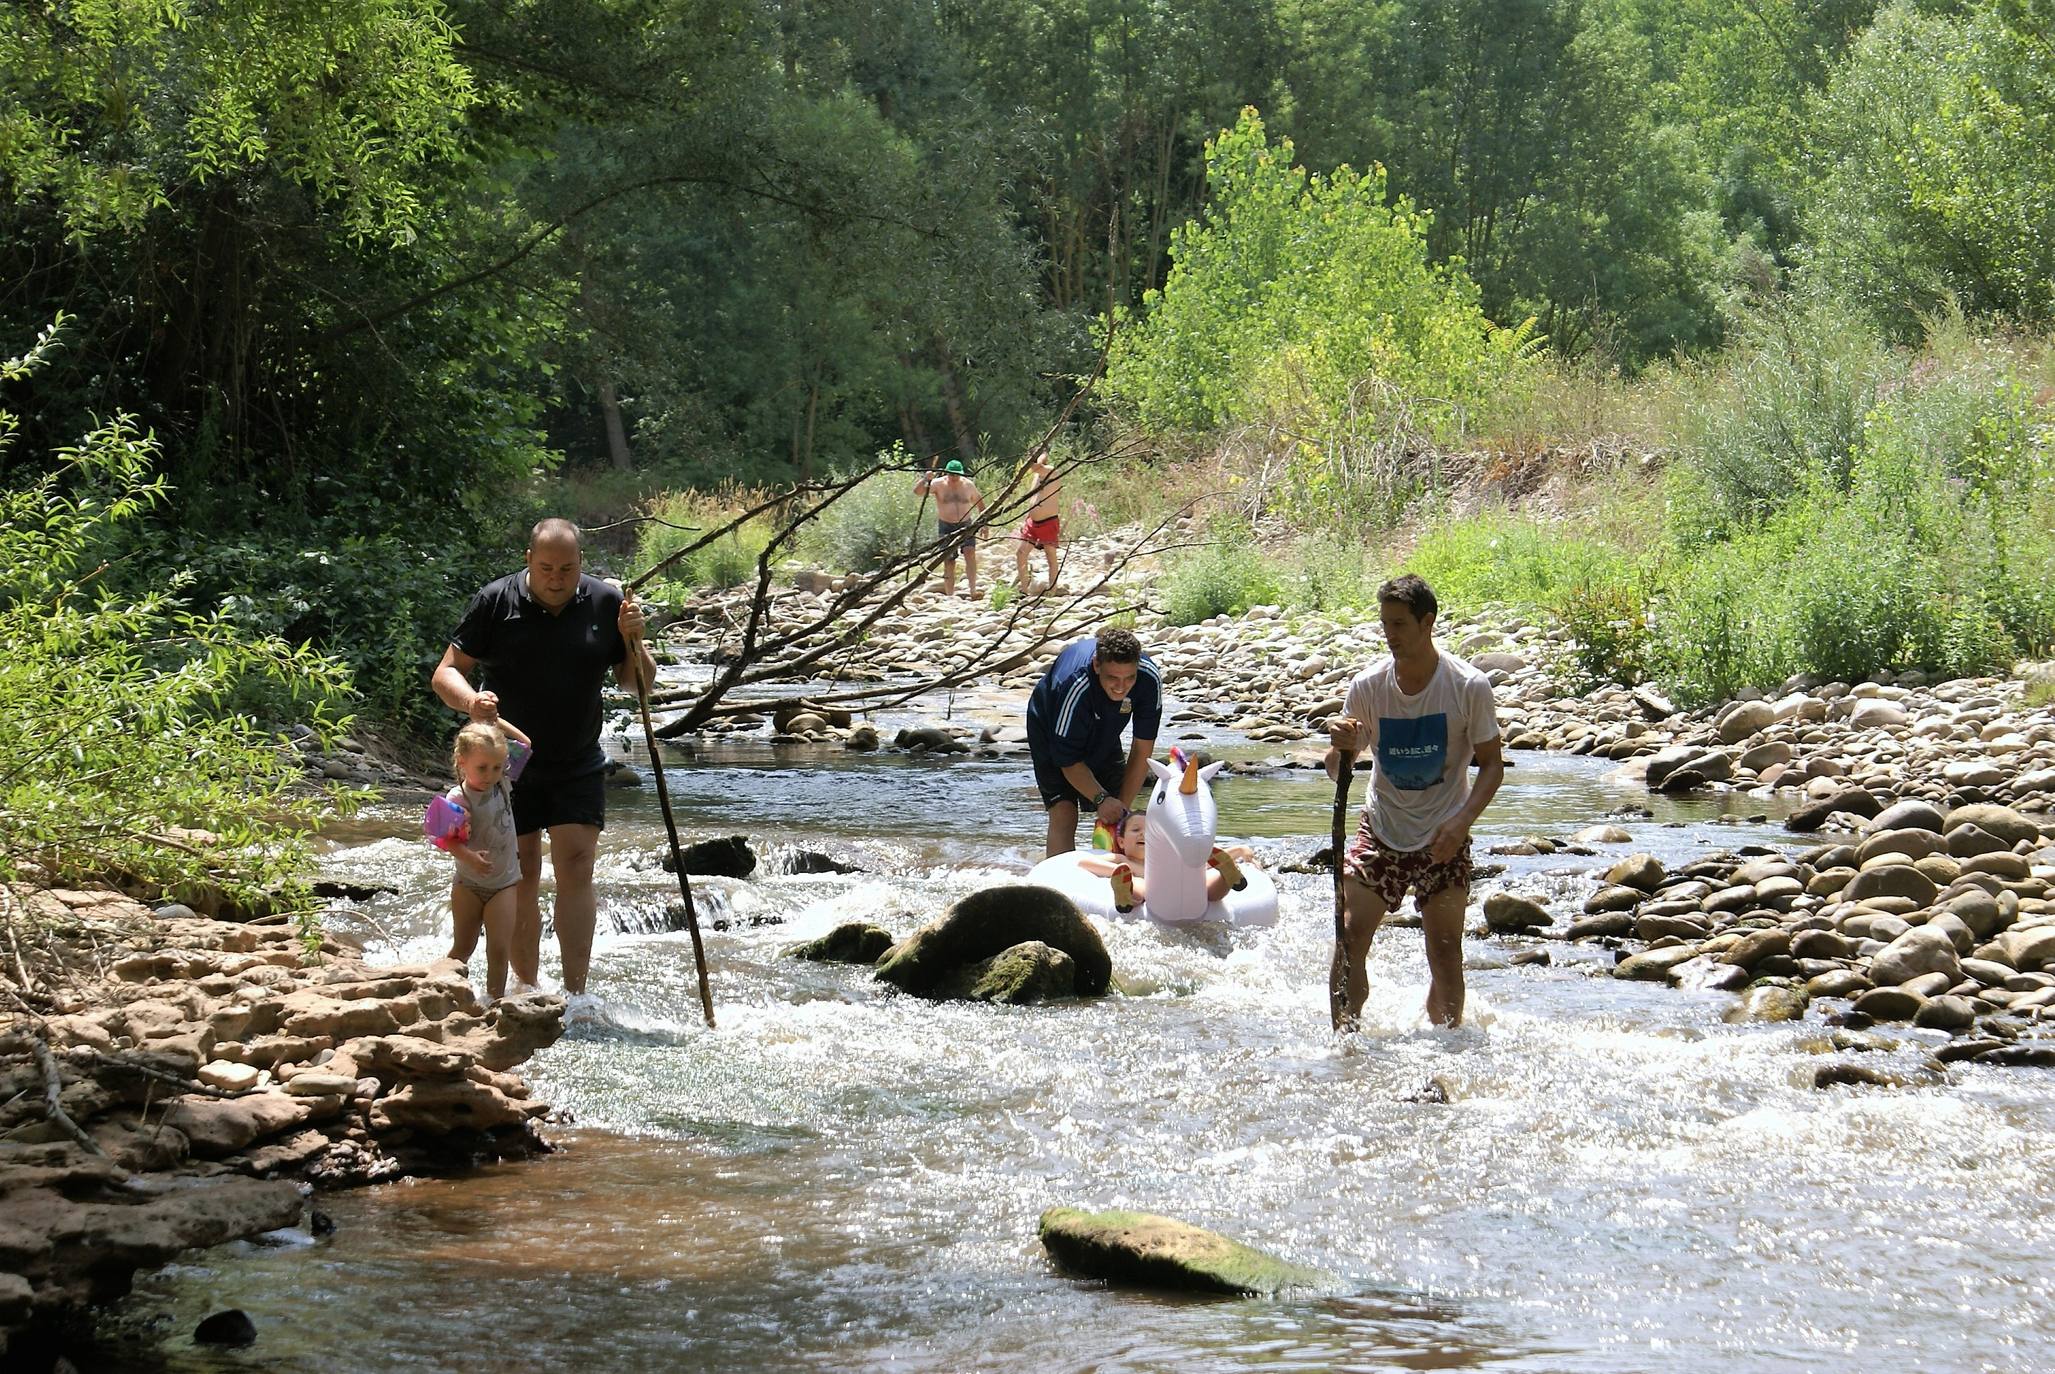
(1420, 745)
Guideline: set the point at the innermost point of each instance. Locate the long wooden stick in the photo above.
(1338, 984)
(663, 797)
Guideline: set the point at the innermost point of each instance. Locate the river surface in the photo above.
(843, 1178)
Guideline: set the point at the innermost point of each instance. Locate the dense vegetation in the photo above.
(369, 272)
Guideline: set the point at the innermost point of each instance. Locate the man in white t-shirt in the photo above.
(1423, 715)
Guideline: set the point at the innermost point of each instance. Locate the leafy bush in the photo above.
(1292, 291)
(384, 605)
(1781, 413)
(881, 517)
(1495, 555)
(687, 516)
(1326, 572)
(119, 737)
(1225, 577)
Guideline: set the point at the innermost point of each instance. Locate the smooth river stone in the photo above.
(1889, 1004)
(1845, 982)
(1913, 844)
(1919, 951)
(1605, 923)
(1643, 872)
(1908, 815)
(1142, 1249)
(1768, 1002)
(1946, 1013)
(1680, 927)
(1762, 944)
(1613, 899)
(2004, 822)
(1653, 966)
(1898, 880)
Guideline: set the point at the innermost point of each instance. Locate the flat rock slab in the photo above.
(1142, 1249)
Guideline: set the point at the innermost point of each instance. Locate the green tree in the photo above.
(123, 749)
(1294, 289)
(1933, 161)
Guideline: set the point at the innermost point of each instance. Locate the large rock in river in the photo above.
(1028, 972)
(730, 857)
(993, 921)
(1141, 1249)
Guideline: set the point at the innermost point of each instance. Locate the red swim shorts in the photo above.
(1040, 533)
(1389, 872)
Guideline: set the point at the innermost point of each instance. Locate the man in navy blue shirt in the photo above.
(546, 638)
(1094, 690)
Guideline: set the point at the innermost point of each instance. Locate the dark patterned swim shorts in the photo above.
(1389, 872)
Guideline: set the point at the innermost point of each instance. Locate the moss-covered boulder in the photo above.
(1028, 972)
(991, 922)
(1143, 1250)
(856, 942)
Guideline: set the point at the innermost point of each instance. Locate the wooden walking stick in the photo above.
(1338, 983)
(663, 797)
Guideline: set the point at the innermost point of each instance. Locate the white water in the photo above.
(841, 1177)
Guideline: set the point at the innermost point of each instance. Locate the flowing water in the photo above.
(840, 1177)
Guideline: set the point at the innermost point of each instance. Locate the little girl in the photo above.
(488, 859)
(1126, 867)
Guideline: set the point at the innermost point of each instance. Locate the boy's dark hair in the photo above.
(1411, 591)
(1119, 646)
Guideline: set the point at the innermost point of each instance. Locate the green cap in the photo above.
(953, 465)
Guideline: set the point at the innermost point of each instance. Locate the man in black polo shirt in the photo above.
(546, 637)
(1094, 690)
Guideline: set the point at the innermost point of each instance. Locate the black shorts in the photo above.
(956, 536)
(541, 802)
(1049, 780)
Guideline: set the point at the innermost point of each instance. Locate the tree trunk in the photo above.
(953, 400)
(617, 433)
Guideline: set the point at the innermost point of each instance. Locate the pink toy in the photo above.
(517, 759)
(446, 823)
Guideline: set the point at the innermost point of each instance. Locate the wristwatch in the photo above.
(1100, 800)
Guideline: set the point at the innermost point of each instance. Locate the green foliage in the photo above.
(119, 737)
(1779, 413)
(1224, 577)
(1934, 163)
(1327, 572)
(1933, 552)
(1297, 291)
(1497, 556)
(688, 516)
(879, 518)
(111, 109)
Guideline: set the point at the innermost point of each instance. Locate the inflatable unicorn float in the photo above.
(1182, 822)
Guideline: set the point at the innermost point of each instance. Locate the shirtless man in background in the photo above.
(1041, 528)
(956, 496)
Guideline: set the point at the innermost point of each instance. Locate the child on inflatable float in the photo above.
(1188, 878)
(1130, 854)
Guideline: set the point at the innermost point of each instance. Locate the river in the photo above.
(843, 1178)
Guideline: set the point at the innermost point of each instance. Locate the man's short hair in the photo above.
(1411, 591)
(555, 527)
(1119, 646)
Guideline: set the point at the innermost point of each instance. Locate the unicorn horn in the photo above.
(1191, 778)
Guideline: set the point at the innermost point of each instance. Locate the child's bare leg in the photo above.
(1020, 549)
(498, 919)
(1050, 551)
(467, 910)
(1217, 886)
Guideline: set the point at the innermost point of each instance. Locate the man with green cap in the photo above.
(956, 496)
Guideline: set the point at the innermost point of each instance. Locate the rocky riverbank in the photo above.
(170, 1081)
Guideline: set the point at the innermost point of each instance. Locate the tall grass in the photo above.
(683, 517)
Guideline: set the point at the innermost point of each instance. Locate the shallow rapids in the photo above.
(841, 1177)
